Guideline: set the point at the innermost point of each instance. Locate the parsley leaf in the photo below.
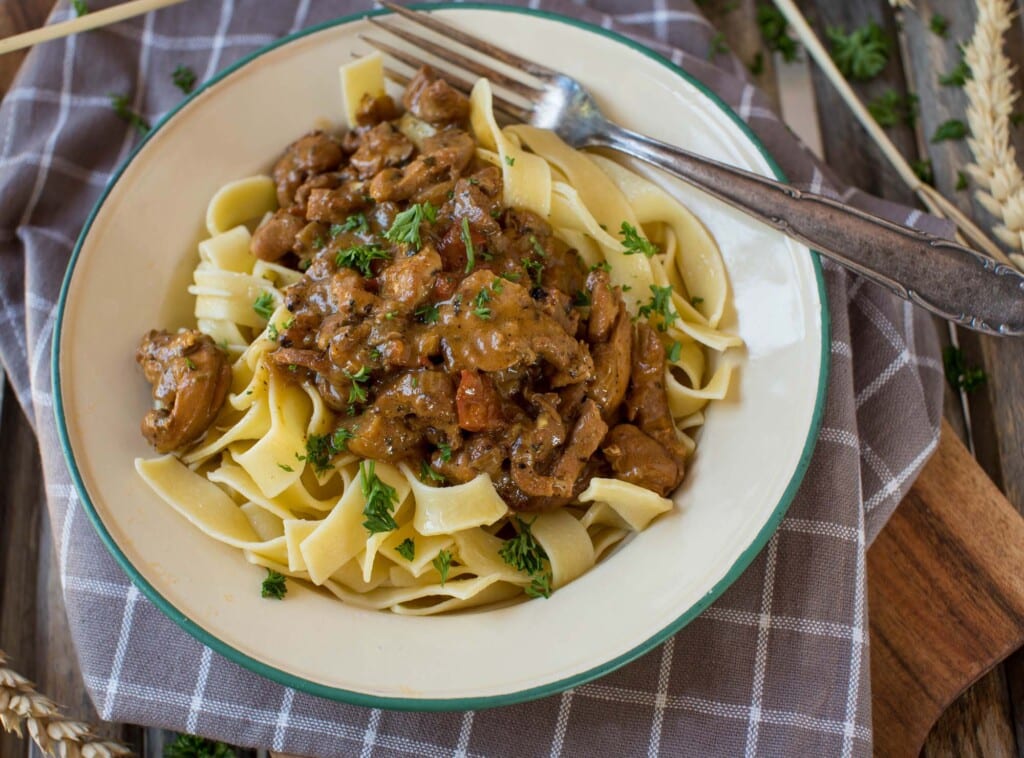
(480, 304)
(406, 226)
(354, 223)
(602, 266)
(427, 314)
(924, 171)
(961, 181)
(191, 746)
(862, 54)
(949, 130)
(756, 65)
(939, 25)
(446, 451)
(958, 76)
(80, 7)
(959, 375)
(540, 585)
(122, 107)
(286, 467)
(184, 79)
(510, 161)
(360, 258)
(381, 500)
(773, 27)
(660, 305)
(467, 240)
(320, 448)
(427, 473)
(674, 352)
(523, 552)
(633, 242)
(264, 305)
(191, 364)
(274, 586)
(443, 562)
(582, 299)
(406, 549)
(890, 108)
(357, 392)
(717, 45)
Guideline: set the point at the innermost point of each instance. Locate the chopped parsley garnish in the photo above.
(272, 332)
(674, 352)
(523, 552)
(80, 7)
(381, 500)
(360, 258)
(660, 305)
(467, 240)
(274, 585)
(756, 65)
(961, 181)
(773, 27)
(264, 305)
(354, 223)
(582, 299)
(427, 314)
(406, 549)
(939, 25)
(515, 276)
(890, 108)
(535, 269)
(446, 451)
(191, 364)
(695, 301)
(286, 467)
(443, 562)
(320, 448)
(318, 243)
(357, 392)
(602, 266)
(406, 226)
(959, 375)
(862, 54)
(958, 76)
(923, 170)
(540, 585)
(510, 161)
(954, 128)
(633, 242)
(191, 746)
(427, 473)
(184, 79)
(537, 247)
(122, 107)
(717, 45)
(480, 308)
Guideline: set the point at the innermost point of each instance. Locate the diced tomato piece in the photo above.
(477, 403)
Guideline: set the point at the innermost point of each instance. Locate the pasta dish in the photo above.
(438, 363)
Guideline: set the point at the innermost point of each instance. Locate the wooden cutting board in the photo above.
(945, 596)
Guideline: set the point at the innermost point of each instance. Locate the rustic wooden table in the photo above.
(988, 719)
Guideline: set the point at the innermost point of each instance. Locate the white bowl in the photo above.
(129, 273)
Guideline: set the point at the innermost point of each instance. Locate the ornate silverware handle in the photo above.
(948, 279)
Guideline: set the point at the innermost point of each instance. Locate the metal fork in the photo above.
(953, 281)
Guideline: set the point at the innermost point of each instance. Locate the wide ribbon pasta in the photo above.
(250, 485)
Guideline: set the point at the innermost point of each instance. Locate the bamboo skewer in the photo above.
(932, 199)
(84, 23)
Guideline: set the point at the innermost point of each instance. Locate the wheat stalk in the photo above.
(990, 99)
(56, 735)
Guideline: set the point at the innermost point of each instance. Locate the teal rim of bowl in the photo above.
(460, 703)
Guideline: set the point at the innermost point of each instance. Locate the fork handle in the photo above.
(941, 276)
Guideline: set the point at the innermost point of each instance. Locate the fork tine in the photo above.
(518, 113)
(474, 43)
(450, 56)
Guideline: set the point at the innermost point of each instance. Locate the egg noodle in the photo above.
(247, 483)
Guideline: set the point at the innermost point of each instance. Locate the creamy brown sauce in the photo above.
(480, 343)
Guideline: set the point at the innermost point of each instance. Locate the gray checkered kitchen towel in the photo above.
(778, 666)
